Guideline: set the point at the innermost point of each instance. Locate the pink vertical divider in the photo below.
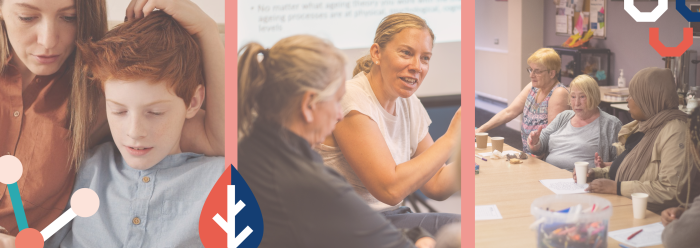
(467, 122)
(231, 37)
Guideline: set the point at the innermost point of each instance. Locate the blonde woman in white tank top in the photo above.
(382, 146)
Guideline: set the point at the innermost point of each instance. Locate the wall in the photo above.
(629, 40)
(214, 8)
(501, 73)
(491, 77)
(491, 23)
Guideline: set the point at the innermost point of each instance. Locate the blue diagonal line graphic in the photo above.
(17, 206)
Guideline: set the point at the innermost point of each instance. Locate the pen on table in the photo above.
(623, 246)
(482, 158)
(635, 234)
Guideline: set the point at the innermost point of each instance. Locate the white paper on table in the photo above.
(564, 186)
(487, 212)
(488, 154)
(487, 144)
(650, 236)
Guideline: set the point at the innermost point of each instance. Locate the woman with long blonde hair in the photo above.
(382, 145)
(51, 114)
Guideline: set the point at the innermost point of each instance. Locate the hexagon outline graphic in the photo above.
(665, 51)
(686, 13)
(652, 16)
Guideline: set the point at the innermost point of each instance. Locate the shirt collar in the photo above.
(170, 161)
(285, 138)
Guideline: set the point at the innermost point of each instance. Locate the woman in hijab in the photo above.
(683, 223)
(652, 148)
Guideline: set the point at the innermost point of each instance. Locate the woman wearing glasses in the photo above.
(540, 101)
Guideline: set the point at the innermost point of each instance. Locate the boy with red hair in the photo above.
(151, 194)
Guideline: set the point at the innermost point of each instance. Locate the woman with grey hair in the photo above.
(288, 102)
(577, 134)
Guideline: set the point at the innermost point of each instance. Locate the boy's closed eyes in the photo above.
(146, 119)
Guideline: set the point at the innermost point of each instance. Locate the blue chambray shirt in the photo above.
(158, 207)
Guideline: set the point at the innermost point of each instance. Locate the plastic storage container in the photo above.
(572, 221)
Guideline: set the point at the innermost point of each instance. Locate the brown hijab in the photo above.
(654, 91)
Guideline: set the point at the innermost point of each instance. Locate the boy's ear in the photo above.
(196, 102)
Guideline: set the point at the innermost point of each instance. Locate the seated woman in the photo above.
(288, 102)
(540, 101)
(382, 146)
(575, 135)
(683, 225)
(654, 156)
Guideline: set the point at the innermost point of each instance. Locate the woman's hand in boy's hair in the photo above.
(187, 13)
(7, 241)
(204, 130)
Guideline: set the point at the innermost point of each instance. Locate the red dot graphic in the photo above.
(29, 238)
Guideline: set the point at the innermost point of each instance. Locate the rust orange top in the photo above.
(34, 128)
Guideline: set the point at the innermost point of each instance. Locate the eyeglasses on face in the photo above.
(537, 72)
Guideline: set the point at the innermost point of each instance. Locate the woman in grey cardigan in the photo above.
(578, 134)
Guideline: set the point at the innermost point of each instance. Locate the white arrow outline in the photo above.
(230, 226)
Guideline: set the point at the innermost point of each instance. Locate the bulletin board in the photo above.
(578, 16)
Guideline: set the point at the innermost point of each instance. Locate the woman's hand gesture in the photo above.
(533, 140)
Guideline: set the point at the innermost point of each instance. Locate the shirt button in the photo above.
(16, 113)
(136, 221)
(146, 179)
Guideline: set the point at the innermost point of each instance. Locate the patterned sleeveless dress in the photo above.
(535, 115)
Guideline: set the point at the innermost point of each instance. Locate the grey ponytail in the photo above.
(251, 77)
(270, 89)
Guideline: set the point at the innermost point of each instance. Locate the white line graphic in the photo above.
(229, 227)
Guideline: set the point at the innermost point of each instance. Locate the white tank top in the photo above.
(401, 132)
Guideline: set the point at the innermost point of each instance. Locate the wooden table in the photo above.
(513, 188)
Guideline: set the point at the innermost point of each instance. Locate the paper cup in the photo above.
(581, 171)
(639, 205)
(481, 140)
(497, 143)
